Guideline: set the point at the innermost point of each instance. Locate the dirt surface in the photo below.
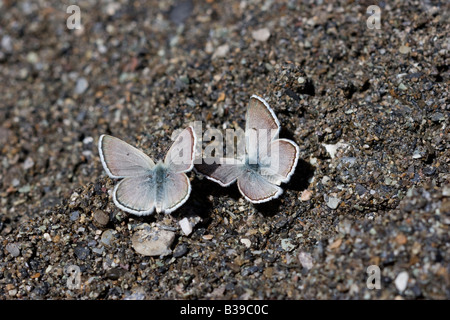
(369, 109)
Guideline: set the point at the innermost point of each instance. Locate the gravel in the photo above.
(368, 108)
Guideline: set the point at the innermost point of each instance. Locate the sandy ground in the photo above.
(369, 109)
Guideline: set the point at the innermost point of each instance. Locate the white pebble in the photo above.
(306, 260)
(47, 237)
(186, 226)
(246, 242)
(28, 164)
(287, 245)
(221, 51)
(7, 43)
(261, 34)
(332, 148)
(401, 281)
(333, 202)
(81, 86)
(88, 140)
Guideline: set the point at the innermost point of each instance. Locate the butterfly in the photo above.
(267, 161)
(147, 186)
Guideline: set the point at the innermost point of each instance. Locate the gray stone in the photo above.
(152, 241)
(81, 86)
(13, 249)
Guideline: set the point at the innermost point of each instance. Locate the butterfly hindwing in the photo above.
(283, 159)
(222, 171)
(256, 189)
(261, 116)
(175, 191)
(135, 195)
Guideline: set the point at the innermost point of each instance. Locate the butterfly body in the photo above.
(254, 167)
(159, 174)
(158, 179)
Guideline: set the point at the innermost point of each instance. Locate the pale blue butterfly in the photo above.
(268, 161)
(147, 186)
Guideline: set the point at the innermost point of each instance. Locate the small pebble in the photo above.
(246, 242)
(333, 148)
(81, 252)
(417, 154)
(336, 244)
(333, 202)
(326, 180)
(7, 43)
(429, 171)
(306, 260)
(101, 218)
(401, 86)
(437, 117)
(180, 250)
(261, 34)
(401, 281)
(186, 226)
(287, 245)
(25, 189)
(221, 51)
(181, 11)
(74, 215)
(115, 273)
(446, 191)
(15, 183)
(208, 237)
(28, 164)
(190, 102)
(404, 49)
(107, 237)
(47, 237)
(98, 251)
(136, 294)
(360, 190)
(306, 195)
(81, 86)
(13, 249)
(401, 239)
(88, 140)
(32, 57)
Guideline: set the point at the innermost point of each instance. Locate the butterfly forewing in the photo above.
(180, 157)
(261, 116)
(261, 128)
(119, 159)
